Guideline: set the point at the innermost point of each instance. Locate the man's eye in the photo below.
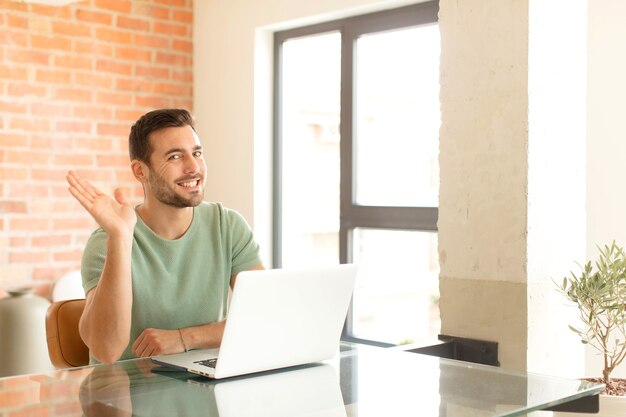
(175, 156)
(197, 154)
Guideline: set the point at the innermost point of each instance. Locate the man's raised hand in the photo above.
(115, 216)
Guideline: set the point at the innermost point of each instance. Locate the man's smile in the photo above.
(189, 184)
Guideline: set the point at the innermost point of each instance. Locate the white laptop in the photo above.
(277, 318)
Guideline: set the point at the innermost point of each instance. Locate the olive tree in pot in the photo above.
(599, 292)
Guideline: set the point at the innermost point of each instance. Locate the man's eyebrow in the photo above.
(174, 150)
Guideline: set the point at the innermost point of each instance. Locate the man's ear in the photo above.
(140, 170)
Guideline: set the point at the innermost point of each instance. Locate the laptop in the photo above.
(277, 318)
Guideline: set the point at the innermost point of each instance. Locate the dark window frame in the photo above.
(351, 215)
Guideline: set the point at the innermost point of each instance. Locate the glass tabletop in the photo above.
(413, 384)
(359, 381)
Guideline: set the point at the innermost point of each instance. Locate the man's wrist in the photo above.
(121, 236)
(182, 340)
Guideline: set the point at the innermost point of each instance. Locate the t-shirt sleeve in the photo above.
(244, 249)
(92, 262)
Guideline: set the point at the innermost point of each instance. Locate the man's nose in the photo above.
(191, 166)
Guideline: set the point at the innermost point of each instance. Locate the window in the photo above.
(356, 163)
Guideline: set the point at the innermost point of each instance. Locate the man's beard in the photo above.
(166, 195)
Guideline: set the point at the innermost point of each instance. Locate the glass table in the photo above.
(358, 381)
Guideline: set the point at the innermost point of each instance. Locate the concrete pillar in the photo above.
(512, 158)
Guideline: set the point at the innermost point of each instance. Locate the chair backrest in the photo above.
(65, 347)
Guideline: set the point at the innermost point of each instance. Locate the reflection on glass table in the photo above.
(125, 389)
(360, 381)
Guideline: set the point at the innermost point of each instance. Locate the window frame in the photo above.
(351, 215)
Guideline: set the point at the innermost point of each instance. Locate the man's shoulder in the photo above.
(208, 208)
(97, 235)
(216, 216)
(96, 244)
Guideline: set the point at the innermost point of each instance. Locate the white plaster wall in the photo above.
(606, 127)
(557, 83)
(557, 79)
(606, 202)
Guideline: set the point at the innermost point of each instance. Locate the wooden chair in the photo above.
(65, 347)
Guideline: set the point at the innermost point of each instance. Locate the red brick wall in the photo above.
(72, 81)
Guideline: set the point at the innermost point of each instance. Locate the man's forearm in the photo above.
(204, 336)
(105, 323)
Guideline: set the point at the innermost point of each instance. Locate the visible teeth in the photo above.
(189, 184)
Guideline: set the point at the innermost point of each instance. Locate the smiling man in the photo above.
(156, 276)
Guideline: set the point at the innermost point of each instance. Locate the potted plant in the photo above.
(599, 292)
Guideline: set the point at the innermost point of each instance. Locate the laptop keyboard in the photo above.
(209, 363)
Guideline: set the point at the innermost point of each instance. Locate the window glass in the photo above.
(310, 147)
(357, 173)
(397, 118)
(396, 299)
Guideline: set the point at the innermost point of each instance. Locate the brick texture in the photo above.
(72, 81)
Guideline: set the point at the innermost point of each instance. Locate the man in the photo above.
(156, 276)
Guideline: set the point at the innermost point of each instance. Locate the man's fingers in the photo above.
(82, 185)
(155, 342)
(138, 341)
(139, 351)
(87, 203)
(86, 193)
(75, 185)
(87, 187)
(143, 345)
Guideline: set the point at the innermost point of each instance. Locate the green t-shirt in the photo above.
(182, 282)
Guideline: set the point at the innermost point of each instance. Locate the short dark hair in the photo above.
(139, 146)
